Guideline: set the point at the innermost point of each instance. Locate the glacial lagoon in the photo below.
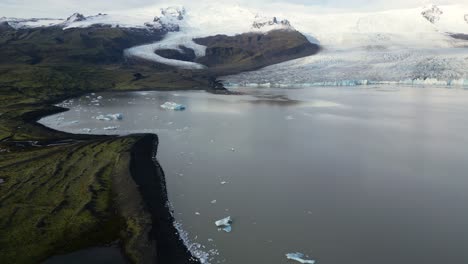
(359, 175)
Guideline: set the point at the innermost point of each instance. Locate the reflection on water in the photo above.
(371, 175)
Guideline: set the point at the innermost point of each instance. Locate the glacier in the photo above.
(352, 67)
(409, 46)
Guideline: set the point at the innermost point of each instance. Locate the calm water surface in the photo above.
(372, 175)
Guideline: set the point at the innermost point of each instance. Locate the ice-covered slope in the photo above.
(411, 46)
(397, 44)
(18, 23)
(202, 22)
(441, 66)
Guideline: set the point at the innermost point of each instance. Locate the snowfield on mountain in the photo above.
(420, 45)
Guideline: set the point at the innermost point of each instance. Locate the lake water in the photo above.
(365, 175)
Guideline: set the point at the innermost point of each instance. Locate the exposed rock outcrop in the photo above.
(432, 14)
(271, 23)
(169, 20)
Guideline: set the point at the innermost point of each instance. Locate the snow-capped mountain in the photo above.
(401, 43)
(433, 13)
(170, 19)
(76, 17)
(18, 23)
(411, 46)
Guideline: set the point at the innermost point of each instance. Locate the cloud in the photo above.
(63, 8)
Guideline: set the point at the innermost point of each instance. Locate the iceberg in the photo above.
(225, 224)
(110, 117)
(173, 106)
(299, 257)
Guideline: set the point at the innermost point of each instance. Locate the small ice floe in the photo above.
(197, 213)
(99, 97)
(224, 224)
(299, 257)
(233, 149)
(111, 128)
(110, 117)
(2, 181)
(173, 106)
(223, 182)
(86, 130)
(213, 202)
(289, 117)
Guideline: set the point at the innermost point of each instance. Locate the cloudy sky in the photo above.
(63, 8)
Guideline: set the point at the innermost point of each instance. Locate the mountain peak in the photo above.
(169, 20)
(432, 13)
(174, 12)
(76, 17)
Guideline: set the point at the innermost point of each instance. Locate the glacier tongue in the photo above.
(364, 67)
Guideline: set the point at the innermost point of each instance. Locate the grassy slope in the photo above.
(58, 199)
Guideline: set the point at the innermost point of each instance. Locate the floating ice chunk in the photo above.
(299, 257)
(86, 130)
(213, 202)
(110, 117)
(173, 106)
(227, 229)
(233, 149)
(110, 128)
(225, 224)
(99, 97)
(197, 213)
(2, 181)
(223, 182)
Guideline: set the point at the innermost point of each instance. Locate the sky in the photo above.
(64, 8)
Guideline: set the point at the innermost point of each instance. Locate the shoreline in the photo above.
(137, 177)
(150, 178)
